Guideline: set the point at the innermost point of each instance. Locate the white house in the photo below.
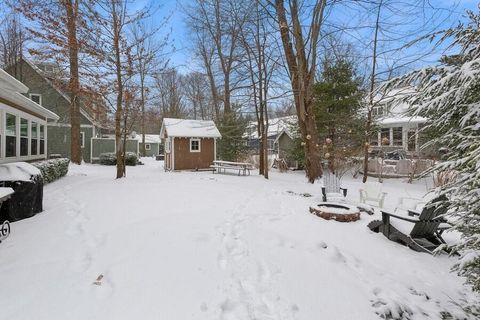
(23, 134)
(399, 128)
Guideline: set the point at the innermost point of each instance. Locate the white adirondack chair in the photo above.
(372, 192)
(332, 190)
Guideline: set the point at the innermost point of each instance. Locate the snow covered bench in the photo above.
(223, 166)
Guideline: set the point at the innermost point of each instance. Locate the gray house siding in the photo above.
(59, 141)
(154, 149)
(53, 100)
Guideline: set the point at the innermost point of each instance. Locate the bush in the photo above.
(52, 169)
(110, 159)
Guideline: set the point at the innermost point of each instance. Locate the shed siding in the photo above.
(184, 159)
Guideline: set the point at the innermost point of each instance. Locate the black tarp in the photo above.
(26, 201)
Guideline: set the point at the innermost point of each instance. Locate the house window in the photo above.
(42, 139)
(194, 145)
(34, 139)
(385, 136)
(35, 97)
(397, 136)
(23, 137)
(82, 139)
(412, 140)
(10, 135)
(148, 146)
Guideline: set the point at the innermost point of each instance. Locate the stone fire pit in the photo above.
(336, 211)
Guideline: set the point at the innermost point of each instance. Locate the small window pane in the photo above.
(42, 131)
(23, 146)
(10, 125)
(194, 145)
(23, 128)
(397, 136)
(34, 130)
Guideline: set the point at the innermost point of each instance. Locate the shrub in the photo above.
(110, 159)
(52, 169)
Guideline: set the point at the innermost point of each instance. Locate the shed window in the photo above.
(148, 146)
(167, 145)
(194, 145)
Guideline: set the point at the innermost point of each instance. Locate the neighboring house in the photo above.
(44, 84)
(22, 123)
(399, 128)
(281, 133)
(189, 144)
(152, 144)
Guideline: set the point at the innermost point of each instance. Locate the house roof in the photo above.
(275, 127)
(189, 128)
(11, 89)
(60, 91)
(398, 109)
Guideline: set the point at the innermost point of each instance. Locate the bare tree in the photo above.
(117, 65)
(300, 48)
(217, 25)
(65, 38)
(262, 60)
(146, 53)
(13, 38)
(195, 86)
(168, 86)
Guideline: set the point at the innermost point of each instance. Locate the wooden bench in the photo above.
(243, 168)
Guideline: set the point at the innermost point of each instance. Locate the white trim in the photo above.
(173, 154)
(36, 94)
(67, 125)
(148, 146)
(82, 139)
(215, 149)
(199, 144)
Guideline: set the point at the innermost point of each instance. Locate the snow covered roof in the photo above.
(275, 127)
(395, 110)
(11, 90)
(149, 138)
(397, 120)
(189, 128)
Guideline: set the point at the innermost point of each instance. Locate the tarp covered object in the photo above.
(27, 182)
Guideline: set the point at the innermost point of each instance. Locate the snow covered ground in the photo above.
(193, 245)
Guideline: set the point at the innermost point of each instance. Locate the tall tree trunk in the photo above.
(74, 83)
(142, 98)
(368, 124)
(119, 111)
(301, 66)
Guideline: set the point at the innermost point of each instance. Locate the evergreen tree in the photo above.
(232, 145)
(449, 95)
(337, 104)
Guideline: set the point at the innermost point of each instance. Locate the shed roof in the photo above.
(189, 128)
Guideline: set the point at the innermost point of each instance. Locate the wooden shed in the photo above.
(189, 144)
